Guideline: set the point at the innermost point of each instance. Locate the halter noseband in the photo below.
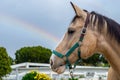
(76, 45)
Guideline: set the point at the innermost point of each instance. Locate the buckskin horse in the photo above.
(88, 33)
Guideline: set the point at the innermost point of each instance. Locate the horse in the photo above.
(88, 33)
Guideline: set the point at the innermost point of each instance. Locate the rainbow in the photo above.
(33, 28)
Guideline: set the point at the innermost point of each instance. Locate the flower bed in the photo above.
(34, 75)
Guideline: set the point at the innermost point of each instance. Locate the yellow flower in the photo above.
(42, 76)
(32, 72)
(37, 76)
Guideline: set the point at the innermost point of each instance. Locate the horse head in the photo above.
(87, 46)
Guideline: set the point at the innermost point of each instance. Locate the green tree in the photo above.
(33, 54)
(95, 60)
(4, 62)
(11, 60)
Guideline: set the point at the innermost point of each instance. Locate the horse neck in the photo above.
(110, 49)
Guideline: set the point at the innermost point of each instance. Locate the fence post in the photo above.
(27, 65)
(17, 74)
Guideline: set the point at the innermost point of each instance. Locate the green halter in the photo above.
(69, 52)
(74, 47)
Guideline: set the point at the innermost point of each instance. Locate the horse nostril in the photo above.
(61, 65)
(51, 62)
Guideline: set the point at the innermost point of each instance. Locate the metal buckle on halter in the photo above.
(71, 73)
(83, 32)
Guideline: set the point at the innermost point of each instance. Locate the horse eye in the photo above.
(71, 31)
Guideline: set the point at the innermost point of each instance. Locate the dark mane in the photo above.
(113, 28)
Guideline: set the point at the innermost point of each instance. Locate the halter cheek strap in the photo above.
(74, 47)
(68, 53)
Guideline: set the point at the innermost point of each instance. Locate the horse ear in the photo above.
(77, 10)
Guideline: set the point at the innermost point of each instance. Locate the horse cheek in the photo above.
(92, 46)
(88, 47)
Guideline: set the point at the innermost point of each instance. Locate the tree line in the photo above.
(37, 54)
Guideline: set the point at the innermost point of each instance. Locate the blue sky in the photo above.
(43, 22)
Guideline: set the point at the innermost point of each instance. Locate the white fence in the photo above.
(19, 70)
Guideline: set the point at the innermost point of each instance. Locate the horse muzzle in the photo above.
(57, 66)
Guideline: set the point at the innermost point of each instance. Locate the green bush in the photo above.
(4, 63)
(33, 75)
(30, 76)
